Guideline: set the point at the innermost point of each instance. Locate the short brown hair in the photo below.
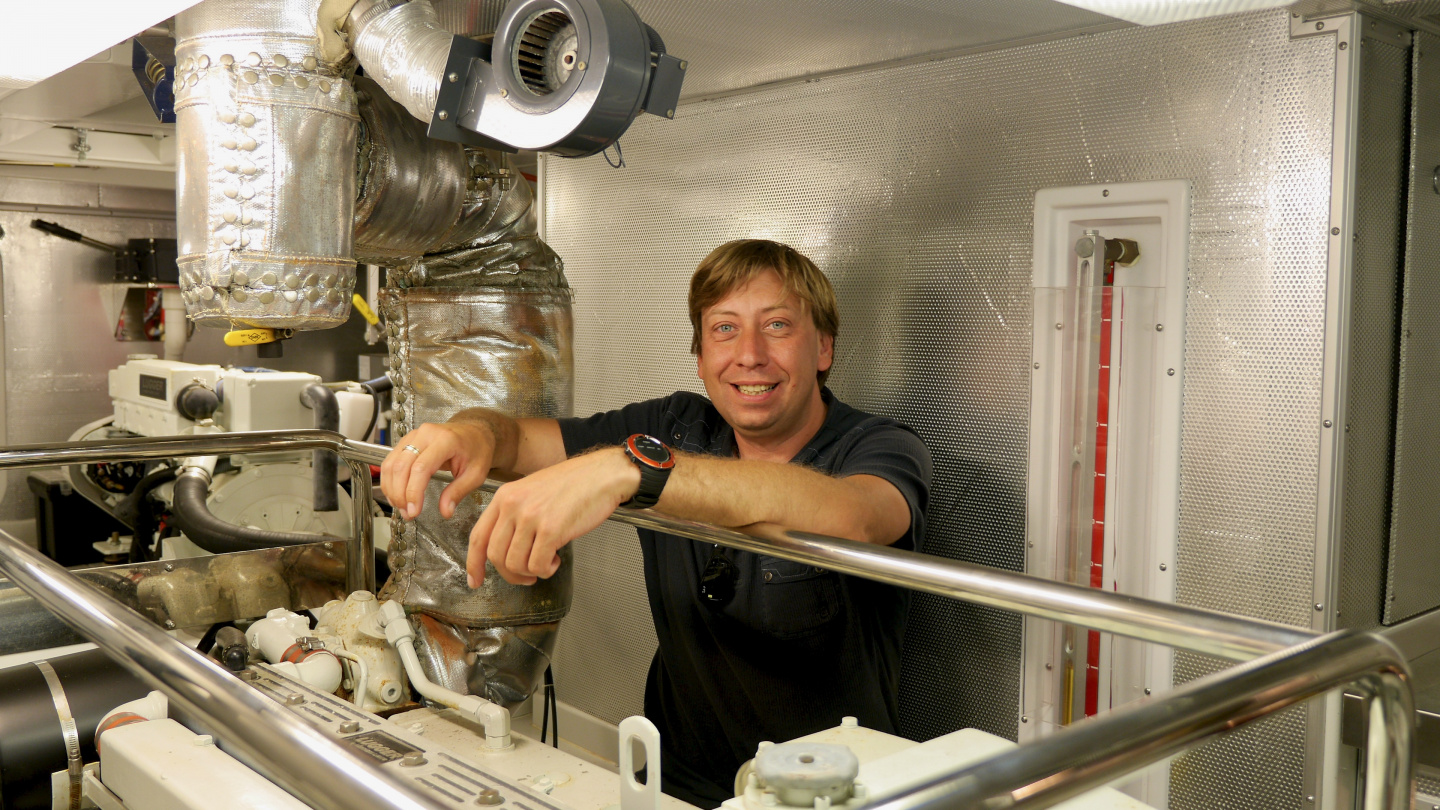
(735, 264)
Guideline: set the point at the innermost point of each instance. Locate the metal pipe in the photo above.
(1096, 751)
(1209, 632)
(286, 750)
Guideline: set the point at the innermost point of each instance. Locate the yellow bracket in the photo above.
(364, 309)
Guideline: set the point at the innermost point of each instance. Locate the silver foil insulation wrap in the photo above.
(265, 196)
(452, 349)
(403, 46)
(440, 215)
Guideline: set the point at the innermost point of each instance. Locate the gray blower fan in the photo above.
(561, 76)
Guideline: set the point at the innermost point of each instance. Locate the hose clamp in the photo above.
(74, 764)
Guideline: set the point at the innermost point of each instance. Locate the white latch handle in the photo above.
(633, 795)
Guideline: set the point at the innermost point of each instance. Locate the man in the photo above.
(751, 647)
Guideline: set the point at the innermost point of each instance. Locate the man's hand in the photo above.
(466, 449)
(529, 520)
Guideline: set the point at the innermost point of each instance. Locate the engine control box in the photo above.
(144, 392)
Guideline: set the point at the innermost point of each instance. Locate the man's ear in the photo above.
(698, 372)
(827, 352)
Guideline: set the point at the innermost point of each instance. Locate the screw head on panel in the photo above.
(1344, 45)
(1170, 372)
(453, 77)
(1105, 193)
(1319, 26)
(1162, 567)
(1059, 326)
(1147, 690)
(1319, 606)
(1159, 327)
(1327, 423)
(1334, 231)
(349, 727)
(1024, 718)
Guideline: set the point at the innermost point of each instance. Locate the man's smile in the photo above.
(755, 389)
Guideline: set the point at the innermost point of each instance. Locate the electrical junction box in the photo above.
(265, 400)
(144, 390)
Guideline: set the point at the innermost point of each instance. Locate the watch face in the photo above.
(652, 450)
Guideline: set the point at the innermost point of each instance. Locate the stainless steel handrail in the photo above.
(1209, 632)
(360, 562)
(314, 767)
(1094, 752)
(1058, 766)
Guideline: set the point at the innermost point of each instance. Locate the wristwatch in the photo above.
(655, 462)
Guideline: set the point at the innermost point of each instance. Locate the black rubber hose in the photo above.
(196, 402)
(325, 465)
(193, 517)
(128, 510)
(380, 384)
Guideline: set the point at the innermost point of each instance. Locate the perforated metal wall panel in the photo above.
(1381, 180)
(913, 187)
(751, 42)
(1414, 560)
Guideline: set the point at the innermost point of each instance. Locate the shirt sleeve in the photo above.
(610, 428)
(895, 453)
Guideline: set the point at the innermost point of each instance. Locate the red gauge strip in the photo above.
(1097, 529)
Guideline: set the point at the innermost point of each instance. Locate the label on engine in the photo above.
(152, 386)
(380, 746)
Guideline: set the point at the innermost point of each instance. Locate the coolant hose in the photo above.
(216, 536)
(325, 465)
(128, 510)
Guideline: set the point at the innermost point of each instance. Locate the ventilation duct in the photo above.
(478, 313)
(265, 194)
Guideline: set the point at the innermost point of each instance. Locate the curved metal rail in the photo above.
(1096, 751)
(1204, 631)
(1295, 665)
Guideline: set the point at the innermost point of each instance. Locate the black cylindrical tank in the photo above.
(32, 739)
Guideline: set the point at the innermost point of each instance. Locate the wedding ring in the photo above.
(412, 448)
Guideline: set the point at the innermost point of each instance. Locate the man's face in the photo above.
(759, 355)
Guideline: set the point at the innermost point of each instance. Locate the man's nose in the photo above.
(752, 349)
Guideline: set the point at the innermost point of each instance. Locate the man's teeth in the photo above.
(754, 389)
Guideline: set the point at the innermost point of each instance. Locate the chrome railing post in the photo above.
(360, 556)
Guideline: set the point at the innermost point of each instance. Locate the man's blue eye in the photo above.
(724, 327)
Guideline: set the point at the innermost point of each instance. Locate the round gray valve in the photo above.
(800, 773)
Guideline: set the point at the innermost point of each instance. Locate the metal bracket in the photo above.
(462, 85)
(1384, 31)
(1302, 26)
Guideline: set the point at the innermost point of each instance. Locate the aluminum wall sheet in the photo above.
(1414, 558)
(913, 187)
(750, 42)
(1382, 176)
(58, 345)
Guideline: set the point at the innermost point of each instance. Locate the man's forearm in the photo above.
(735, 492)
(504, 432)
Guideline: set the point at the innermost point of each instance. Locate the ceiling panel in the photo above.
(743, 43)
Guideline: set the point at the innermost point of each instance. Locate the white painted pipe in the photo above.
(277, 637)
(401, 636)
(176, 327)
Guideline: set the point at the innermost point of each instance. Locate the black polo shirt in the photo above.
(797, 647)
